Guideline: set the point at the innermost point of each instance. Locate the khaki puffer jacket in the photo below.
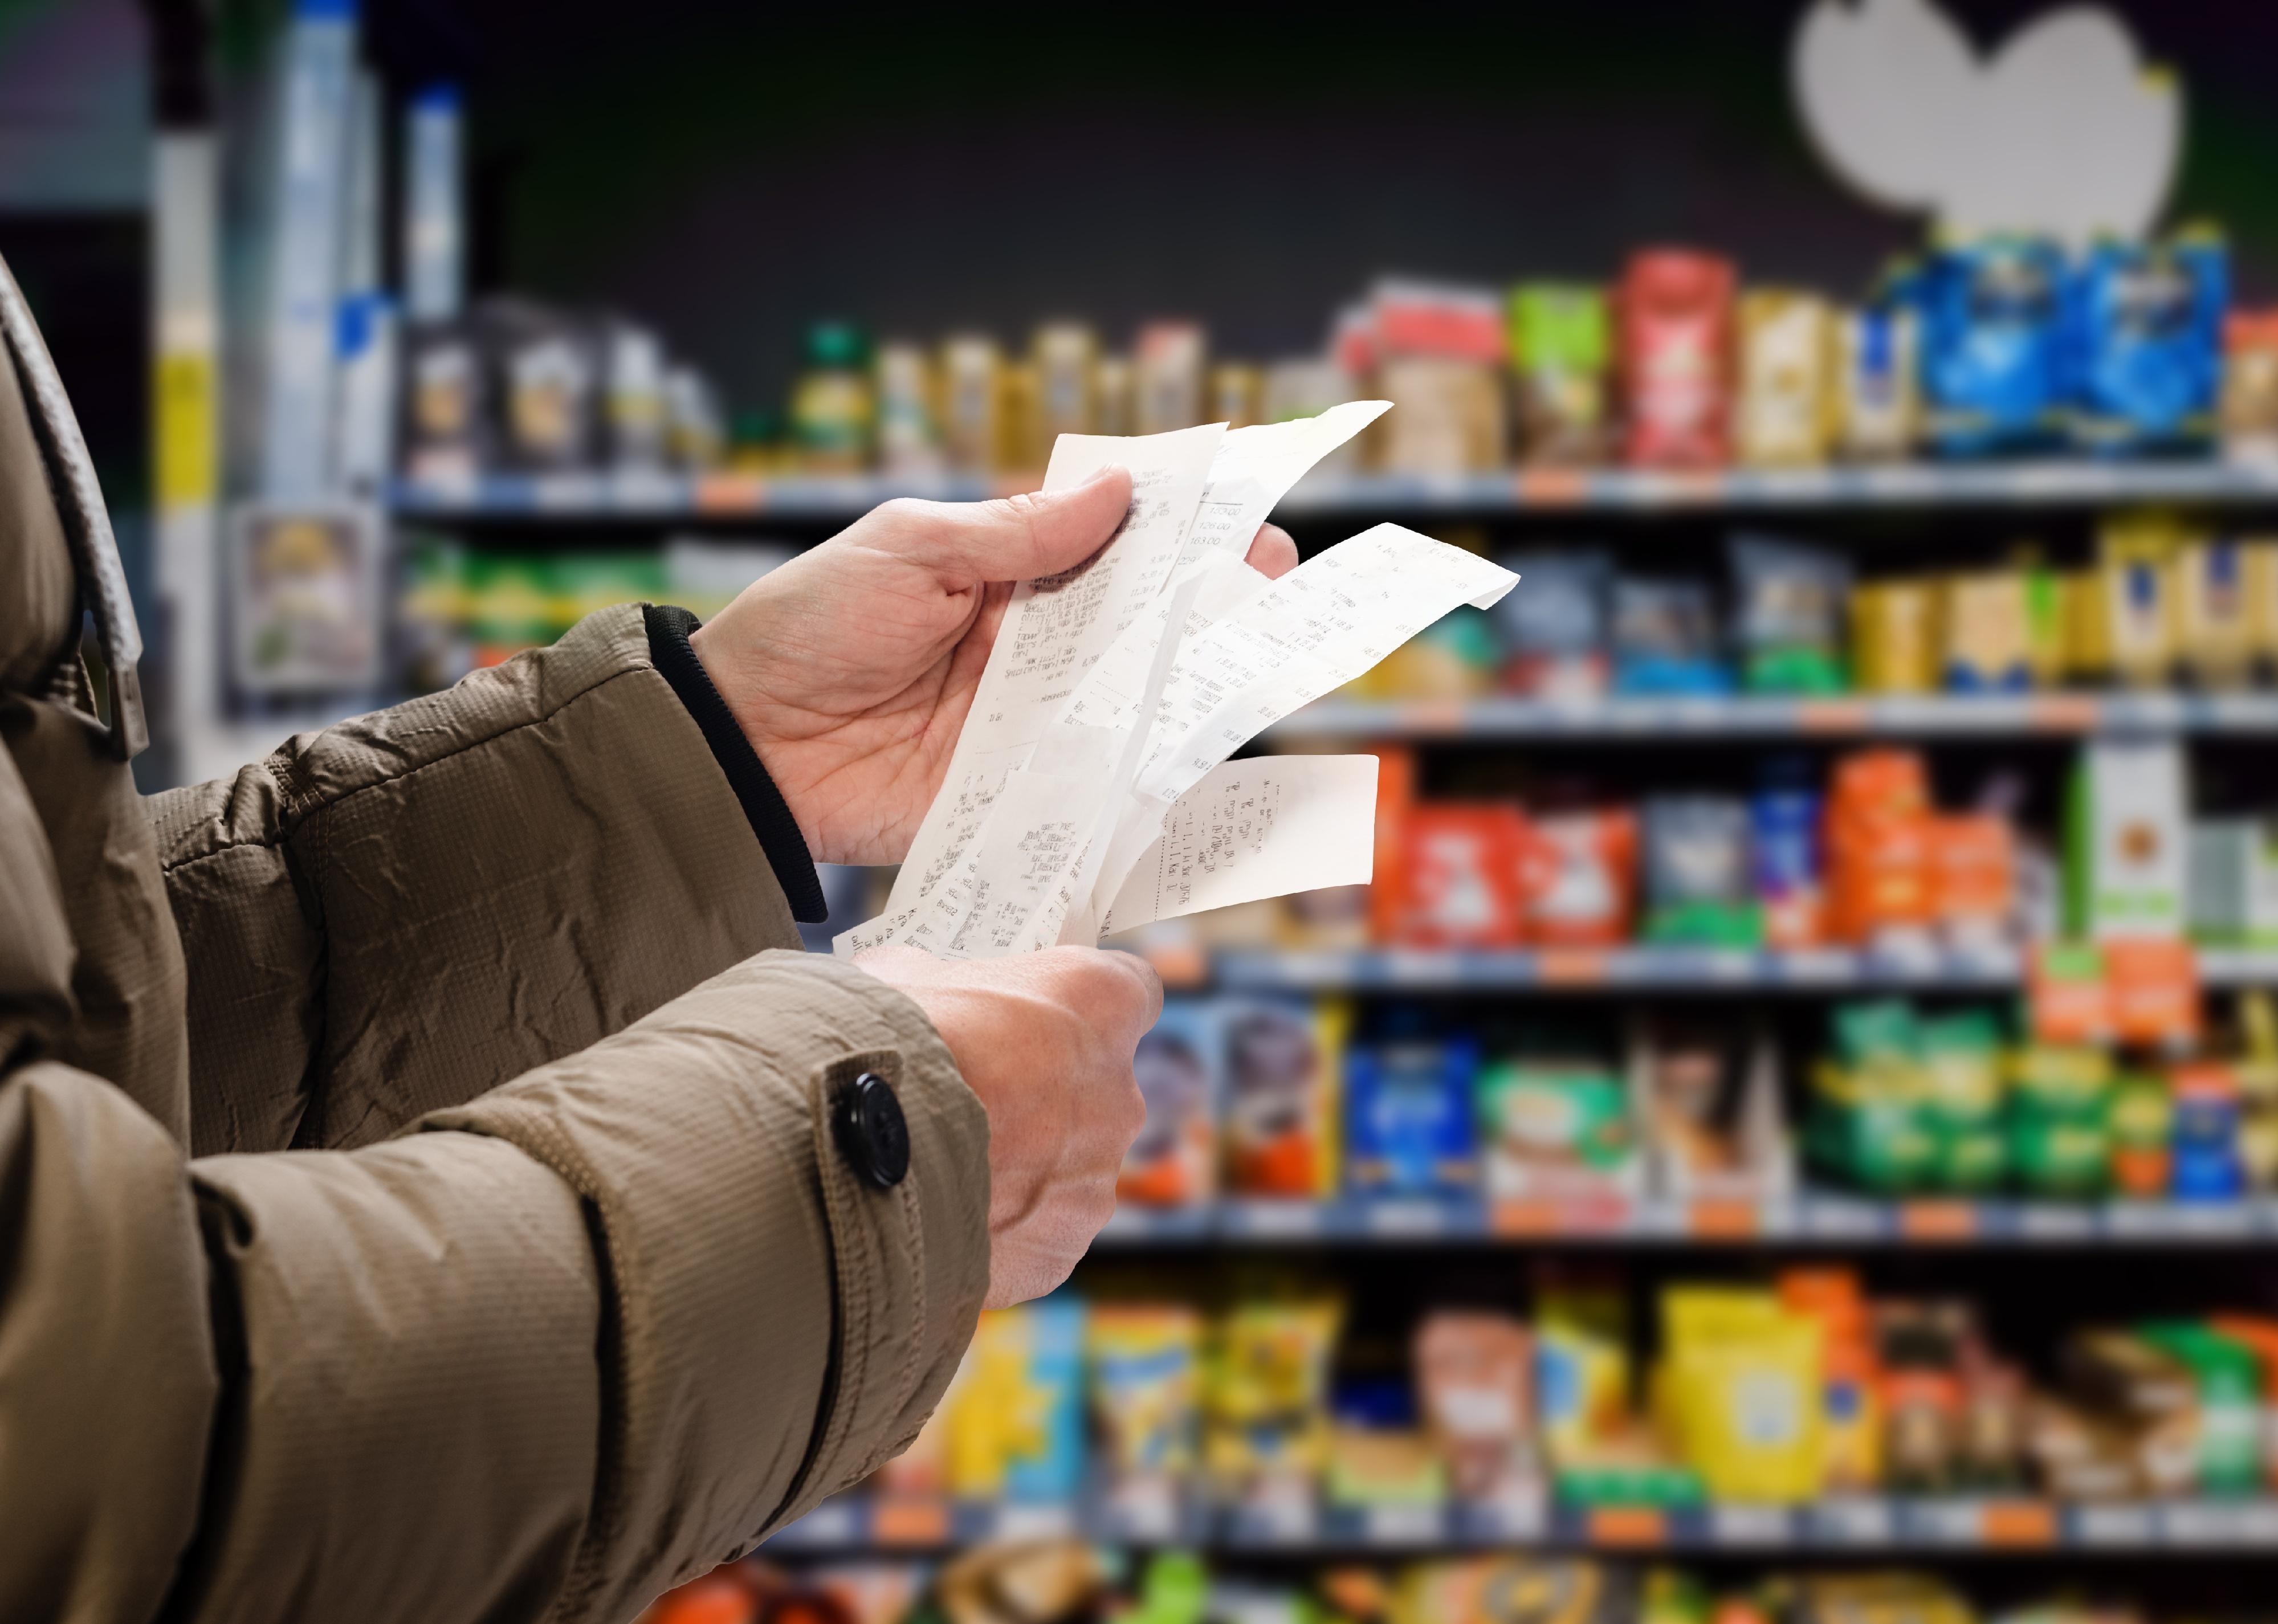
(417, 1199)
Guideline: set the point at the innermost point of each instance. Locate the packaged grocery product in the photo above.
(1894, 637)
(1985, 644)
(2125, 840)
(632, 395)
(1787, 397)
(1785, 821)
(1699, 883)
(1265, 1400)
(2214, 625)
(2234, 882)
(1554, 1125)
(2140, 1122)
(1174, 1162)
(1067, 356)
(1561, 343)
(2250, 386)
(1114, 403)
(1877, 848)
(1146, 1398)
(1461, 880)
(1454, 658)
(1850, 1414)
(1972, 879)
(2206, 1164)
(2256, 1068)
(1447, 416)
(549, 384)
(1167, 376)
(1887, 1598)
(1021, 446)
(1475, 1382)
(1993, 352)
(1017, 1428)
(1237, 395)
(1383, 1466)
(1992, 1457)
(1664, 633)
(868, 1592)
(973, 402)
(1708, 1096)
(833, 412)
(2228, 1381)
(1878, 406)
(1282, 1061)
(1581, 1365)
(696, 435)
(1556, 635)
(1428, 318)
(2048, 626)
(1408, 1117)
(448, 433)
(909, 432)
(1787, 613)
(2060, 1123)
(1035, 1582)
(1741, 1393)
(1515, 1589)
(2127, 620)
(1579, 878)
(1673, 323)
(2258, 1335)
(2146, 321)
(1869, 1122)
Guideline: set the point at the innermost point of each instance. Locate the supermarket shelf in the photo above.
(1853, 1525)
(1808, 1219)
(602, 496)
(1654, 721)
(1662, 969)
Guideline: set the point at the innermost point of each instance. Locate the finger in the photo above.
(1148, 984)
(1014, 538)
(1272, 553)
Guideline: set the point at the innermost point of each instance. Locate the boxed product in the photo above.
(2214, 621)
(2234, 882)
(1985, 634)
(1784, 845)
(909, 431)
(1787, 613)
(2127, 620)
(2146, 321)
(2125, 847)
(1475, 1378)
(1561, 343)
(1786, 412)
(1282, 1067)
(448, 433)
(1993, 347)
(1174, 1162)
(1408, 1117)
(1168, 366)
(1878, 406)
(972, 402)
(1557, 1126)
(1673, 348)
(1556, 635)
(1879, 865)
(2250, 386)
(1067, 356)
(1447, 416)
(548, 385)
(1578, 878)
(1894, 637)
(1459, 878)
(1016, 1427)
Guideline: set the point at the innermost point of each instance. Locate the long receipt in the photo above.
(1091, 788)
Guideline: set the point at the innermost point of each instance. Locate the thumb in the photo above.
(1018, 537)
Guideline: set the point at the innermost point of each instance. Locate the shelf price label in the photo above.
(2014, 1524)
(1627, 1526)
(903, 1520)
(1934, 1220)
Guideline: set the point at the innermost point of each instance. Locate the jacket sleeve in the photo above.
(549, 1353)
(401, 912)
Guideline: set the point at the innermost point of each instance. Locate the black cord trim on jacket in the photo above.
(762, 802)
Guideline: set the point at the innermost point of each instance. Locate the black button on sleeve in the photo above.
(865, 1119)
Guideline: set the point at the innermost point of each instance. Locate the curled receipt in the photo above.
(1084, 789)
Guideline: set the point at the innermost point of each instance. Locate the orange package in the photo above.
(1971, 875)
(1878, 848)
(1396, 795)
(1460, 885)
(1579, 879)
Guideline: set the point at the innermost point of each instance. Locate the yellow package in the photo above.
(1511, 1589)
(1893, 637)
(1786, 407)
(2131, 615)
(1021, 447)
(1146, 1388)
(972, 403)
(1266, 1403)
(1984, 634)
(2259, 565)
(2213, 629)
(1581, 1369)
(1067, 354)
(1016, 1430)
(1740, 1391)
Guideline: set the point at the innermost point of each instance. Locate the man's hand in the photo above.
(850, 669)
(1045, 1040)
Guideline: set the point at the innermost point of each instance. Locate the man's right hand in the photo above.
(1045, 1040)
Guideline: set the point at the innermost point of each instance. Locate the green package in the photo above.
(2069, 1158)
(1961, 1059)
(1573, 1113)
(2228, 1378)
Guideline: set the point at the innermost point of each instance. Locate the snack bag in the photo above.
(1674, 347)
(1556, 1126)
(1985, 633)
(1174, 1162)
(1994, 360)
(1788, 608)
(2214, 613)
(1579, 885)
(2250, 386)
(1741, 1387)
(1581, 1366)
(2147, 330)
(1893, 637)
(1785, 844)
(1556, 634)
(1561, 340)
(1475, 1380)
(1266, 1412)
(1699, 884)
(1461, 877)
(1146, 1396)
(1408, 1118)
(1282, 1072)
(1664, 639)
(1786, 416)
(1017, 1432)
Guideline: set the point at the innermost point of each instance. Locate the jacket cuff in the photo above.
(668, 650)
(778, 1326)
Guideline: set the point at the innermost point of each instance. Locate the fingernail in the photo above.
(1111, 471)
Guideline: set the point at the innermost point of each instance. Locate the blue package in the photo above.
(1051, 1467)
(1409, 1119)
(2144, 322)
(1994, 362)
(1665, 638)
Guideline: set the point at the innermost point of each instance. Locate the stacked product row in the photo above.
(1269, 1099)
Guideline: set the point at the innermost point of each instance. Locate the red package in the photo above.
(1395, 798)
(1674, 352)
(1461, 884)
(1578, 878)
